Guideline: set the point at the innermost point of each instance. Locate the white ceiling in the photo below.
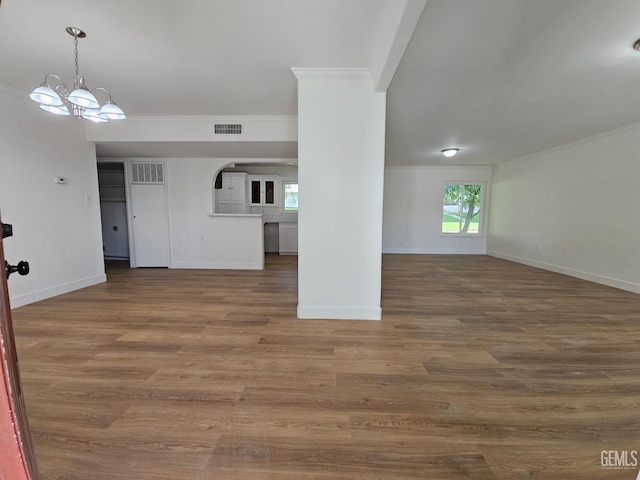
(502, 79)
(499, 79)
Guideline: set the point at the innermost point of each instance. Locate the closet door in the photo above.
(150, 232)
(149, 225)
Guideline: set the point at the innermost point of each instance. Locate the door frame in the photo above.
(129, 201)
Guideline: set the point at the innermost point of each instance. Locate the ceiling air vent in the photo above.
(227, 129)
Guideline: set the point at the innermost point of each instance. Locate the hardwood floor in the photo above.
(479, 369)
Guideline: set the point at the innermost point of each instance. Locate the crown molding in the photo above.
(337, 73)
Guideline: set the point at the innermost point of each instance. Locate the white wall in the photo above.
(197, 239)
(54, 228)
(195, 129)
(413, 210)
(341, 133)
(573, 209)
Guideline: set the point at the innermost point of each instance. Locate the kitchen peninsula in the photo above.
(257, 213)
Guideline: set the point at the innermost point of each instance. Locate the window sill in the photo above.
(462, 235)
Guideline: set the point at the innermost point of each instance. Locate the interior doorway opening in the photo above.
(113, 211)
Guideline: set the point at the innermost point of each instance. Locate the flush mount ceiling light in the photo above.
(450, 152)
(57, 99)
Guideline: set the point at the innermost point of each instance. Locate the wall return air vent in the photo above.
(227, 129)
(151, 172)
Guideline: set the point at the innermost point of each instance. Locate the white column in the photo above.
(341, 138)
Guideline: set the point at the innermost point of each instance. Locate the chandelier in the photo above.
(56, 98)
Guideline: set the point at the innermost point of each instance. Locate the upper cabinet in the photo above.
(232, 197)
(263, 191)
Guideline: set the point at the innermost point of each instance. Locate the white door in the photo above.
(150, 226)
(237, 188)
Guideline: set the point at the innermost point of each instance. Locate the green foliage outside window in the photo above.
(461, 211)
(290, 197)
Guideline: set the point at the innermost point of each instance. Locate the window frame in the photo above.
(283, 182)
(482, 212)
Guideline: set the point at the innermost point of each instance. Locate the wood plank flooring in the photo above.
(479, 369)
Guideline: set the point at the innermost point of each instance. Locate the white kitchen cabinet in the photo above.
(263, 191)
(232, 197)
(288, 238)
(271, 235)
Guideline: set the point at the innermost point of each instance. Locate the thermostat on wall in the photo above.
(61, 180)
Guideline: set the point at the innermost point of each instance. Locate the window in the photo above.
(290, 196)
(461, 209)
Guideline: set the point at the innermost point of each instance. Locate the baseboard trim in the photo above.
(434, 251)
(27, 298)
(591, 277)
(218, 265)
(339, 313)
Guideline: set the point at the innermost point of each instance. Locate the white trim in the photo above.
(234, 214)
(575, 143)
(339, 313)
(217, 118)
(591, 277)
(14, 91)
(338, 73)
(394, 51)
(434, 251)
(218, 265)
(462, 235)
(462, 168)
(27, 298)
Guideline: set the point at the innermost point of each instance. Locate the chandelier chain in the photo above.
(75, 50)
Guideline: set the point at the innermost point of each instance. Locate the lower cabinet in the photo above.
(271, 234)
(288, 238)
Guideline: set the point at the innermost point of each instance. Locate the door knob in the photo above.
(22, 268)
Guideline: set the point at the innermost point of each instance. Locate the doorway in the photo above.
(113, 211)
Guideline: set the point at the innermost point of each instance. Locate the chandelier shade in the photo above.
(54, 97)
(55, 109)
(112, 111)
(83, 98)
(93, 114)
(46, 95)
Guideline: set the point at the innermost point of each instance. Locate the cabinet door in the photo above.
(288, 238)
(269, 192)
(224, 207)
(255, 197)
(224, 193)
(237, 188)
(237, 207)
